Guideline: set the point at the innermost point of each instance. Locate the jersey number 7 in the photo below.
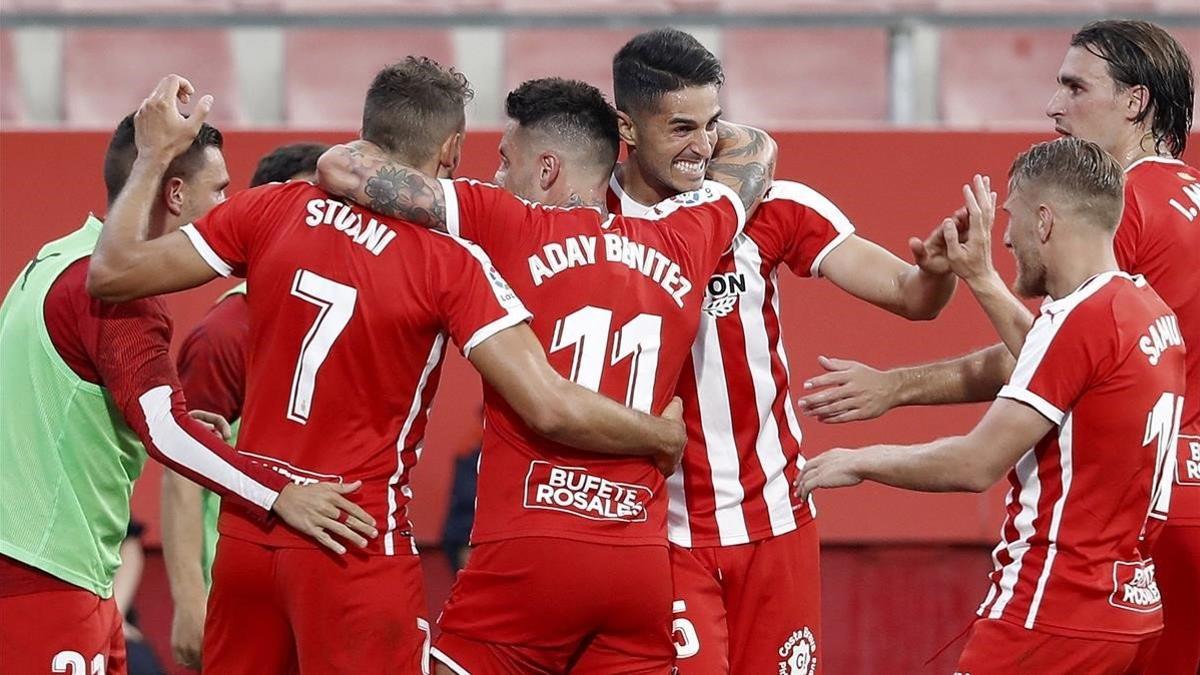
(336, 305)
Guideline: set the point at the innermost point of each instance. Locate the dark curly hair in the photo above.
(575, 111)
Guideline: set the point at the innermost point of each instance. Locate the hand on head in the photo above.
(160, 129)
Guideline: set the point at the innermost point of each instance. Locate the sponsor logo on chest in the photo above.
(1189, 461)
(722, 293)
(575, 490)
(1134, 587)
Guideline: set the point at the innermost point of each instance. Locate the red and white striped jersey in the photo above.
(1158, 238)
(1105, 364)
(348, 321)
(743, 452)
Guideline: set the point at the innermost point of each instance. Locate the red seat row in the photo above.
(777, 78)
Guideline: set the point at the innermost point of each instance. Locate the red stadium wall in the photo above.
(891, 184)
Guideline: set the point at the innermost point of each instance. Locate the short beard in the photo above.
(1031, 281)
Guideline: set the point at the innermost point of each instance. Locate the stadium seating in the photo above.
(139, 6)
(994, 78)
(327, 71)
(600, 7)
(383, 6)
(12, 109)
(107, 73)
(818, 6)
(584, 54)
(783, 77)
(1022, 6)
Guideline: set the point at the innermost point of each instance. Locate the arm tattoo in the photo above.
(392, 189)
(400, 192)
(750, 181)
(744, 162)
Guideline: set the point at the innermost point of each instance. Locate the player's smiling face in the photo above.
(676, 140)
(1088, 103)
(1023, 239)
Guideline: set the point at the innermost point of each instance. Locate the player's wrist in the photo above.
(897, 389)
(155, 159)
(985, 281)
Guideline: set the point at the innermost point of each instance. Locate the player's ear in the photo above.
(172, 195)
(1045, 222)
(549, 166)
(450, 154)
(626, 129)
(1137, 99)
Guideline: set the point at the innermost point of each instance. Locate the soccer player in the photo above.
(212, 371)
(1127, 86)
(349, 313)
(1086, 428)
(85, 381)
(616, 304)
(745, 552)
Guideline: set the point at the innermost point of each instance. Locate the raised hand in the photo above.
(930, 254)
(970, 252)
(317, 509)
(160, 129)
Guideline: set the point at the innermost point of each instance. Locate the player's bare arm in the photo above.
(182, 542)
(970, 463)
(363, 173)
(125, 264)
(514, 363)
(744, 159)
(870, 272)
(851, 391)
(971, 259)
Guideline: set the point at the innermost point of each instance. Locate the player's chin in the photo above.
(686, 183)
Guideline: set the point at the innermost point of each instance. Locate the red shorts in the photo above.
(751, 608)
(1001, 648)
(1177, 569)
(546, 605)
(287, 610)
(67, 631)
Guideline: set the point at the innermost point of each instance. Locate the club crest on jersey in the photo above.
(1134, 587)
(722, 293)
(799, 653)
(575, 490)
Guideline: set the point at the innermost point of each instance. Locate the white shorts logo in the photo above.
(799, 654)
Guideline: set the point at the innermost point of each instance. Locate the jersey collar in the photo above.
(629, 205)
(1086, 289)
(1154, 158)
